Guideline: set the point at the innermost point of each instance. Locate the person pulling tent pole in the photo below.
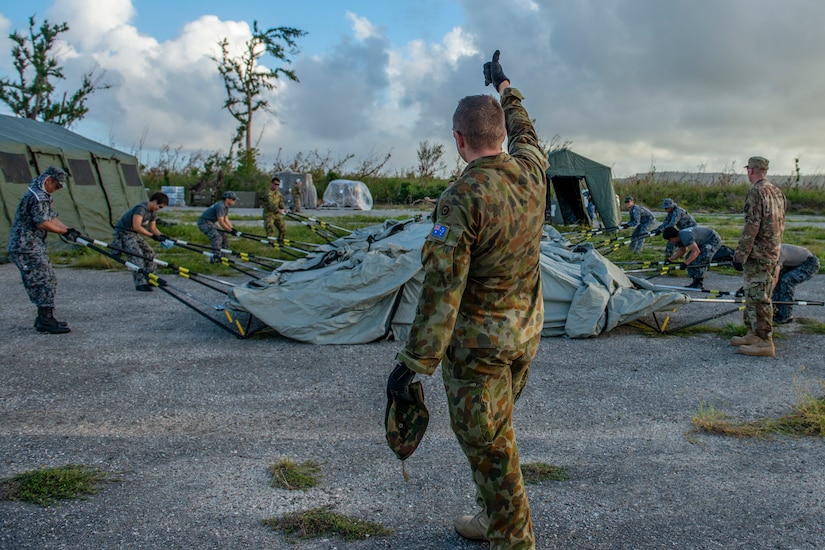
(140, 220)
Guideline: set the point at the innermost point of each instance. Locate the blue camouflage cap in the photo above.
(57, 174)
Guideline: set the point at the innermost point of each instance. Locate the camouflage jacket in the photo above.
(274, 202)
(679, 218)
(764, 223)
(482, 277)
(35, 208)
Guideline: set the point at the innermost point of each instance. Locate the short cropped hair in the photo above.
(670, 232)
(480, 119)
(160, 198)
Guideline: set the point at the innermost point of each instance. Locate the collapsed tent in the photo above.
(365, 287)
(103, 182)
(568, 175)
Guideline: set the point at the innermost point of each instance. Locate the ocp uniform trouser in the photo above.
(758, 283)
(273, 220)
(38, 276)
(482, 387)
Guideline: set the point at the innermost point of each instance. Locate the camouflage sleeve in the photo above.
(753, 219)
(446, 258)
(522, 139)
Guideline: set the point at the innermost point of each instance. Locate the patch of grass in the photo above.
(45, 486)
(811, 326)
(536, 472)
(322, 521)
(292, 476)
(730, 330)
(806, 419)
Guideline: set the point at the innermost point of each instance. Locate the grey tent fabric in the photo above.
(365, 287)
(569, 173)
(103, 182)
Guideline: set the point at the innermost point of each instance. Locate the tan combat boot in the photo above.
(763, 348)
(473, 527)
(749, 339)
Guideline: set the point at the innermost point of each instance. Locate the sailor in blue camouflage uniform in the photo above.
(480, 313)
(756, 255)
(676, 217)
(700, 244)
(34, 220)
(796, 265)
(139, 220)
(216, 218)
(640, 218)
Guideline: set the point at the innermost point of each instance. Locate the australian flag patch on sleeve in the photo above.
(440, 231)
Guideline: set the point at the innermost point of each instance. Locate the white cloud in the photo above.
(362, 27)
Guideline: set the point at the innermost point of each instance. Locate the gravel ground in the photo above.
(190, 417)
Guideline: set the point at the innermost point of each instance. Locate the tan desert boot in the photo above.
(763, 348)
(749, 339)
(473, 527)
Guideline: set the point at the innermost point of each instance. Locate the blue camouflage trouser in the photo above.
(758, 281)
(38, 276)
(785, 287)
(637, 239)
(482, 387)
(219, 240)
(134, 244)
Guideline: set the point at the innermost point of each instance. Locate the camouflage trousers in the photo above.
(219, 240)
(136, 251)
(785, 287)
(274, 220)
(38, 276)
(758, 282)
(482, 387)
(637, 239)
(706, 253)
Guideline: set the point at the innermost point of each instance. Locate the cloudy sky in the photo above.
(693, 85)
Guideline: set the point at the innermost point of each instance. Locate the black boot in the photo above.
(59, 322)
(697, 283)
(46, 322)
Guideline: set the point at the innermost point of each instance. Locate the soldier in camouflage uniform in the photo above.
(700, 244)
(34, 220)
(297, 194)
(676, 217)
(480, 313)
(140, 220)
(274, 210)
(216, 218)
(640, 218)
(757, 255)
(796, 265)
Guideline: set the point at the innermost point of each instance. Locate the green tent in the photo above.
(103, 182)
(569, 174)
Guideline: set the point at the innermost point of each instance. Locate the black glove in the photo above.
(624, 226)
(739, 293)
(493, 72)
(160, 237)
(234, 232)
(683, 265)
(72, 234)
(398, 383)
(656, 232)
(737, 265)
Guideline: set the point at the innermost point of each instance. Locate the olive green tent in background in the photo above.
(568, 175)
(103, 182)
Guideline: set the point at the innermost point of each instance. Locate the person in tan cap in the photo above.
(757, 255)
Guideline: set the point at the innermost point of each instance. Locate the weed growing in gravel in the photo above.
(44, 486)
(811, 326)
(806, 419)
(536, 472)
(320, 522)
(290, 475)
(730, 330)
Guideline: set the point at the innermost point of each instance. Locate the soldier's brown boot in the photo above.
(473, 527)
(749, 339)
(763, 348)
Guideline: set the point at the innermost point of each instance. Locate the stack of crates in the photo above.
(176, 194)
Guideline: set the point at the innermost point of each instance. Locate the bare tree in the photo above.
(31, 96)
(430, 159)
(246, 79)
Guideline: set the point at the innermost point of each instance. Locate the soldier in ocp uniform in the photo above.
(756, 255)
(274, 210)
(34, 220)
(140, 220)
(297, 195)
(480, 313)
